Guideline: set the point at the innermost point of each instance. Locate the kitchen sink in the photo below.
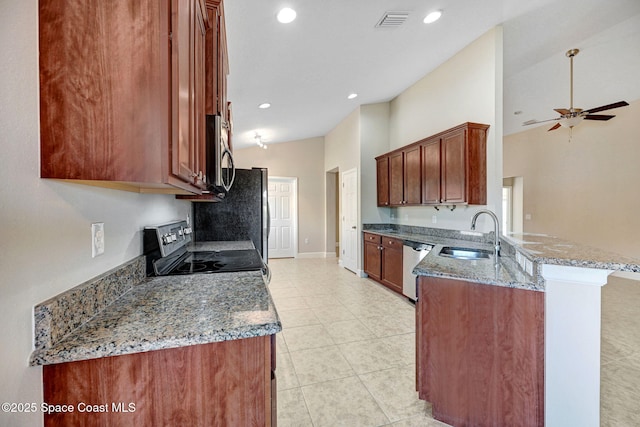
(464, 253)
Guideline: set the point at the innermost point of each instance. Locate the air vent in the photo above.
(392, 19)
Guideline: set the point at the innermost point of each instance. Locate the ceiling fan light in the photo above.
(571, 121)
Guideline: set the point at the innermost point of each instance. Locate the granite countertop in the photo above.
(506, 273)
(172, 311)
(544, 249)
(533, 250)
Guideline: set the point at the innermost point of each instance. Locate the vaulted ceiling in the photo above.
(306, 69)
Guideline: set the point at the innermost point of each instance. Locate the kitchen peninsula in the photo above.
(512, 342)
(183, 350)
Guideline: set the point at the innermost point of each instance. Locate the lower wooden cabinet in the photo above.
(383, 260)
(229, 383)
(480, 353)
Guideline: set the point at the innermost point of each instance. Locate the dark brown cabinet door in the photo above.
(412, 175)
(382, 175)
(121, 111)
(225, 383)
(431, 172)
(188, 49)
(454, 167)
(480, 353)
(396, 179)
(392, 263)
(372, 259)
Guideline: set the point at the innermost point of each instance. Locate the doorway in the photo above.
(283, 208)
(349, 223)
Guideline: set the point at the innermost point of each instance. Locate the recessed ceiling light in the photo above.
(432, 16)
(286, 15)
(352, 95)
(264, 105)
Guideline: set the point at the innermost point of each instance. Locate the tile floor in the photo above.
(620, 357)
(346, 354)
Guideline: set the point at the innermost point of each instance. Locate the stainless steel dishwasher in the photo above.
(412, 254)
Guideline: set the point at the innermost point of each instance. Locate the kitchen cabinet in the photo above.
(216, 66)
(480, 352)
(373, 256)
(383, 260)
(446, 168)
(228, 383)
(454, 166)
(122, 93)
(399, 183)
(382, 174)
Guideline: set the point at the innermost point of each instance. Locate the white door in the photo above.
(282, 206)
(349, 202)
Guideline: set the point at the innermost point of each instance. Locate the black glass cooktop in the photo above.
(218, 262)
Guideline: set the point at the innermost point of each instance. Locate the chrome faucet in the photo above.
(496, 242)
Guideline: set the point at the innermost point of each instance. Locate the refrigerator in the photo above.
(243, 214)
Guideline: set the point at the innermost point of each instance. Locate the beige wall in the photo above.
(466, 88)
(303, 160)
(585, 190)
(45, 225)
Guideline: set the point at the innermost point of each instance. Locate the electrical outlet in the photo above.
(434, 219)
(97, 239)
(306, 240)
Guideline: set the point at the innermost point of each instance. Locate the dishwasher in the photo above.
(412, 254)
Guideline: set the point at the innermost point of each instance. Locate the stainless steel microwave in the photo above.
(220, 167)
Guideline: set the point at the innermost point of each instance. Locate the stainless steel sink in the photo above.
(464, 253)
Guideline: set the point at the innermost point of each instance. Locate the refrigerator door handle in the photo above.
(268, 220)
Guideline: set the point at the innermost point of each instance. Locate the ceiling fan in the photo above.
(572, 116)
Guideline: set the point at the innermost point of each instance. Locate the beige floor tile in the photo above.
(323, 300)
(394, 390)
(343, 402)
(306, 337)
(320, 364)
(404, 345)
(290, 303)
(285, 372)
(292, 409)
(348, 331)
(281, 344)
(370, 355)
(385, 326)
(297, 317)
(330, 314)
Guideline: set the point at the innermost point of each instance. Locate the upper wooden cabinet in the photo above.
(122, 93)
(446, 168)
(398, 175)
(382, 173)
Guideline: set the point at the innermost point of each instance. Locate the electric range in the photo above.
(166, 249)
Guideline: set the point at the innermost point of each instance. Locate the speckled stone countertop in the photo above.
(172, 311)
(544, 249)
(506, 273)
(534, 249)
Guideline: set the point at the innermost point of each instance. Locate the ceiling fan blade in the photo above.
(598, 117)
(535, 122)
(607, 107)
(562, 111)
(554, 127)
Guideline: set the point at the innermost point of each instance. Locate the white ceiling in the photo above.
(307, 68)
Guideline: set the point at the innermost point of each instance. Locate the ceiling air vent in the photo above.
(392, 19)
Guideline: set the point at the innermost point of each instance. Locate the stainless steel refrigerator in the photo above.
(243, 214)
